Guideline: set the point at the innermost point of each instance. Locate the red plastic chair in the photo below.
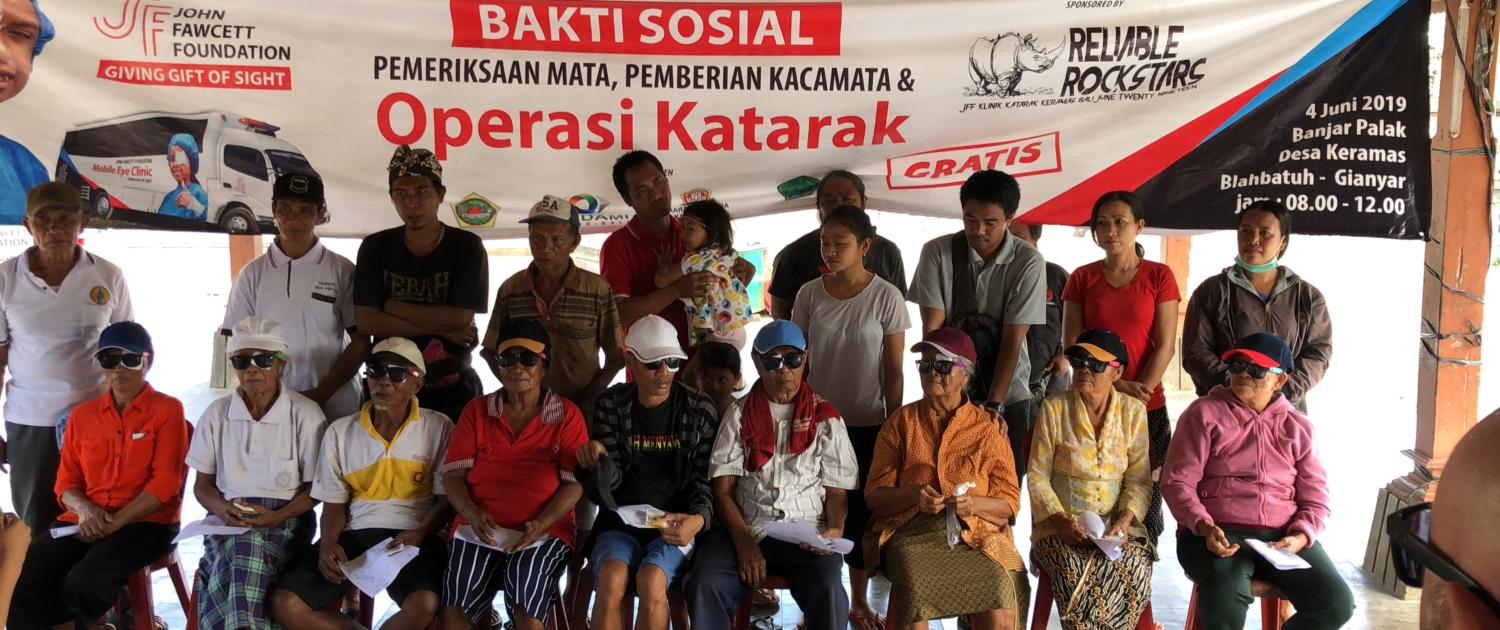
(742, 614)
(1270, 606)
(1042, 612)
(143, 606)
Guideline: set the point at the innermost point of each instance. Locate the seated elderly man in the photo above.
(379, 480)
(653, 439)
(255, 451)
(121, 482)
(927, 451)
(510, 467)
(782, 454)
(1090, 453)
(1244, 466)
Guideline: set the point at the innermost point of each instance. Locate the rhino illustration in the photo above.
(996, 64)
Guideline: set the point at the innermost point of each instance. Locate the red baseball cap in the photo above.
(949, 342)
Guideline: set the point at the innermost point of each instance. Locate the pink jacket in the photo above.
(1232, 465)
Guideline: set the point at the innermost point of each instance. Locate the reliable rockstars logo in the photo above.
(997, 64)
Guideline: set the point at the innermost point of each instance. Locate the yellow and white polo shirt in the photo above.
(388, 485)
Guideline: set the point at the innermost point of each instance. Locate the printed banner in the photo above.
(179, 114)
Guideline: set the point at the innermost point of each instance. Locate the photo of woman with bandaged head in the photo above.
(27, 32)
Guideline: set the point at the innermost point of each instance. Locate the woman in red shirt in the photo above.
(509, 474)
(1137, 300)
(121, 479)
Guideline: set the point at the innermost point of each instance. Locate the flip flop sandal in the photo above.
(764, 623)
(876, 622)
(765, 596)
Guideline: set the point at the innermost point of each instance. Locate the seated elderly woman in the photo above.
(255, 452)
(121, 482)
(1090, 453)
(510, 471)
(1244, 466)
(941, 455)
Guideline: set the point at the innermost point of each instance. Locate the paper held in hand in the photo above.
(646, 517)
(1094, 526)
(798, 532)
(504, 538)
(67, 530)
(1279, 558)
(378, 567)
(209, 526)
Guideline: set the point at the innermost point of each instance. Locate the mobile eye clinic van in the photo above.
(162, 169)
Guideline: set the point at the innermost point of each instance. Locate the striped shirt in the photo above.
(387, 484)
(789, 487)
(580, 320)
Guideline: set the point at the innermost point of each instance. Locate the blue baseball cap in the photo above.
(779, 333)
(128, 336)
(1263, 349)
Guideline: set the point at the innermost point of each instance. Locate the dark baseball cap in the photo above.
(523, 333)
(1103, 345)
(127, 336)
(1263, 349)
(52, 195)
(299, 186)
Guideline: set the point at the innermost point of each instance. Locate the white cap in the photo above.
(403, 348)
(256, 333)
(552, 208)
(652, 339)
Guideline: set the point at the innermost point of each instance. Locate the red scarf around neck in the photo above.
(758, 430)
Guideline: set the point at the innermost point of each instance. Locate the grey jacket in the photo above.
(1226, 308)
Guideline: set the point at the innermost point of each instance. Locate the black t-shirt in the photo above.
(456, 273)
(1044, 342)
(656, 475)
(802, 262)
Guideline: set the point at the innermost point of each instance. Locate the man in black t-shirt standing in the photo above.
(1044, 343)
(425, 281)
(801, 262)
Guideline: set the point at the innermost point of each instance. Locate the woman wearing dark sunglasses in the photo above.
(509, 474)
(1090, 452)
(255, 452)
(1244, 466)
(1448, 547)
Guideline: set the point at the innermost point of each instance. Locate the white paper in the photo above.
(1279, 558)
(1093, 524)
(798, 532)
(955, 532)
(65, 531)
(378, 567)
(646, 517)
(504, 538)
(210, 526)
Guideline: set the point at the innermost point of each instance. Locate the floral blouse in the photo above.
(727, 308)
(1073, 471)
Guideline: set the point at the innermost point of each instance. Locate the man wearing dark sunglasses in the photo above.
(379, 477)
(782, 454)
(652, 442)
(1448, 547)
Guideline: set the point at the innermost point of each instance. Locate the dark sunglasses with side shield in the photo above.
(395, 373)
(1255, 371)
(1081, 361)
(262, 360)
(773, 362)
(1412, 554)
(673, 364)
(131, 361)
(526, 358)
(942, 367)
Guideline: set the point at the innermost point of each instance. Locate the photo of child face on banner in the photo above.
(24, 31)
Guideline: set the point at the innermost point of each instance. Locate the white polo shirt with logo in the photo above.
(53, 334)
(389, 485)
(270, 458)
(312, 297)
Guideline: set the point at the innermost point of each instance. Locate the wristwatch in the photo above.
(997, 407)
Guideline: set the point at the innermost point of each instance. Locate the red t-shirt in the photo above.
(628, 261)
(512, 478)
(1128, 311)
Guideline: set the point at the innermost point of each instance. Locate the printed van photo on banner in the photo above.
(180, 114)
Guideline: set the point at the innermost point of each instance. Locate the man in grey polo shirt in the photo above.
(1006, 295)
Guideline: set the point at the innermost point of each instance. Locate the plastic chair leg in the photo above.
(1192, 612)
(1042, 612)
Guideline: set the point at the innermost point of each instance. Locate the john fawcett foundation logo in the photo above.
(475, 211)
(170, 35)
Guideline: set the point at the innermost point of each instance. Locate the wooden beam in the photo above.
(243, 248)
(1174, 253)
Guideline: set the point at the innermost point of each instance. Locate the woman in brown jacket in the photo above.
(1257, 294)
